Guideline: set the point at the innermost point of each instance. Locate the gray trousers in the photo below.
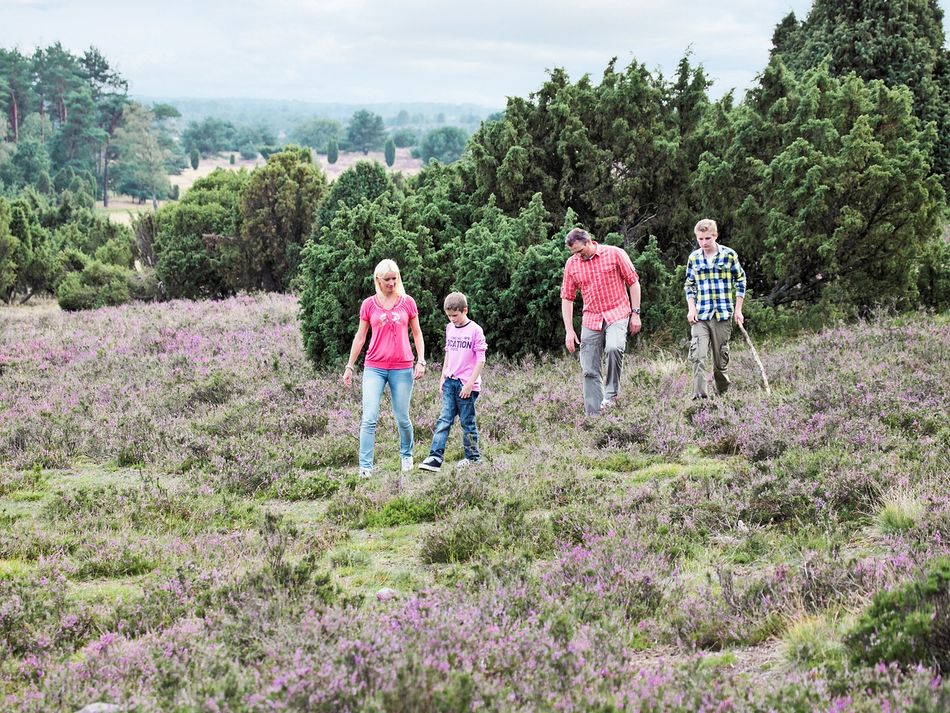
(710, 335)
(611, 342)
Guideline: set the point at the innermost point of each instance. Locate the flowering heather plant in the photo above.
(585, 564)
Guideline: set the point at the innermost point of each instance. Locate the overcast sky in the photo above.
(354, 51)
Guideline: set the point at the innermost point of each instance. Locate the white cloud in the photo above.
(386, 50)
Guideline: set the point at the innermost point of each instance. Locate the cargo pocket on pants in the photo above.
(724, 355)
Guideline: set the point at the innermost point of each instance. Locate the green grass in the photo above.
(900, 511)
(113, 591)
(12, 569)
(372, 559)
(813, 641)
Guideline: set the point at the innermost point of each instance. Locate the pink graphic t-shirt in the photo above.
(389, 340)
(465, 347)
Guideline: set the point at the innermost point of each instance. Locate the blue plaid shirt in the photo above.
(710, 282)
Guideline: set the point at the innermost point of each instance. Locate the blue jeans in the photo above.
(454, 405)
(400, 390)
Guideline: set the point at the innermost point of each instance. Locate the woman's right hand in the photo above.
(348, 376)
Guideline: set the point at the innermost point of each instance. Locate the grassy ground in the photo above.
(182, 528)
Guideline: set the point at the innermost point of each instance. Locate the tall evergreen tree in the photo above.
(278, 205)
(366, 131)
(16, 89)
(896, 41)
(826, 190)
(109, 93)
(142, 161)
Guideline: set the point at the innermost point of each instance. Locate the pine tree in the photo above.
(896, 41)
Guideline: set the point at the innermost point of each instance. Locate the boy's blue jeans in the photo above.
(400, 390)
(454, 405)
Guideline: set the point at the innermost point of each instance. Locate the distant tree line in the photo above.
(68, 115)
(828, 185)
(367, 132)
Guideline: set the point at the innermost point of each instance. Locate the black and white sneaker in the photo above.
(431, 463)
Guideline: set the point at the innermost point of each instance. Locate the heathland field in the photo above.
(182, 529)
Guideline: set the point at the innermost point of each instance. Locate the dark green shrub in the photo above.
(367, 180)
(277, 206)
(73, 295)
(116, 251)
(144, 285)
(933, 280)
(98, 285)
(909, 624)
(405, 137)
(445, 144)
(188, 263)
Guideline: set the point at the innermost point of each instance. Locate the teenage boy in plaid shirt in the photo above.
(712, 273)
(610, 288)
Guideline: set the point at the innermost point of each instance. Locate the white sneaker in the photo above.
(465, 462)
(607, 404)
(407, 463)
(366, 473)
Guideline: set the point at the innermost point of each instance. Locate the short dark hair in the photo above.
(577, 235)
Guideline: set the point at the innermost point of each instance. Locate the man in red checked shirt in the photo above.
(610, 289)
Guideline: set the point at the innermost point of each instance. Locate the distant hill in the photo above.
(281, 116)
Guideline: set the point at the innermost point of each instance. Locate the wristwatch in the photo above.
(635, 310)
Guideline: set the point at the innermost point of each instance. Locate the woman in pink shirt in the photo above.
(389, 315)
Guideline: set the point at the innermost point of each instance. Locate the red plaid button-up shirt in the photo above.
(603, 281)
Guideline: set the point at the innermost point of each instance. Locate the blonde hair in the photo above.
(706, 225)
(455, 302)
(382, 268)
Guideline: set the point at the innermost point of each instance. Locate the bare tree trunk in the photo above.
(105, 174)
(15, 114)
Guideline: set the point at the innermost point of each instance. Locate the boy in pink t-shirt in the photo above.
(465, 349)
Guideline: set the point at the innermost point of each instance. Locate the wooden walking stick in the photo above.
(755, 355)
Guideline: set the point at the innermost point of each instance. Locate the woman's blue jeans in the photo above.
(400, 390)
(454, 405)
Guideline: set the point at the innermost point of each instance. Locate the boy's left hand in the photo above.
(466, 391)
(635, 324)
